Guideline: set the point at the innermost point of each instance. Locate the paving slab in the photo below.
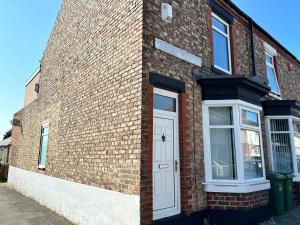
(290, 218)
(16, 209)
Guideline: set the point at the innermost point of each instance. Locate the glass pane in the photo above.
(296, 126)
(280, 125)
(249, 118)
(43, 153)
(164, 103)
(251, 154)
(222, 154)
(218, 24)
(268, 58)
(45, 130)
(297, 146)
(220, 44)
(220, 116)
(272, 80)
(282, 152)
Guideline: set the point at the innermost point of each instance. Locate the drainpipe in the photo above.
(253, 47)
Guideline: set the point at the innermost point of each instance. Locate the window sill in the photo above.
(296, 178)
(237, 187)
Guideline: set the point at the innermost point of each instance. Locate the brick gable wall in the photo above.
(90, 93)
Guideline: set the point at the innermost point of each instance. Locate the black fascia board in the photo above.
(222, 87)
(165, 82)
(281, 108)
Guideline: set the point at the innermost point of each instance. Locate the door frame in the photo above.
(175, 116)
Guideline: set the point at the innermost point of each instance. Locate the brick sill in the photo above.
(237, 188)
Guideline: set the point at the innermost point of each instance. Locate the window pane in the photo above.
(251, 154)
(272, 80)
(220, 44)
(220, 116)
(249, 118)
(282, 152)
(281, 146)
(280, 125)
(45, 130)
(43, 153)
(268, 58)
(296, 126)
(218, 24)
(297, 146)
(222, 154)
(164, 103)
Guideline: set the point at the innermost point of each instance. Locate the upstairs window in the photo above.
(221, 46)
(43, 146)
(271, 73)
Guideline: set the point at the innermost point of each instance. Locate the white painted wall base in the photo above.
(81, 204)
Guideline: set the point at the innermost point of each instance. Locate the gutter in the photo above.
(258, 27)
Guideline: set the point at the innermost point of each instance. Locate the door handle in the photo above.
(176, 165)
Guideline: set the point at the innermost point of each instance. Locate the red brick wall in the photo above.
(296, 192)
(16, 139)
(229, 201)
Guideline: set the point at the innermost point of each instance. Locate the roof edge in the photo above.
(262, 30)
(33, 75)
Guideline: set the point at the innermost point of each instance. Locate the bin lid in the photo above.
(275, 176)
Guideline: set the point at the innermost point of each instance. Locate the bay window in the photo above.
(283, 134)
(233, 147)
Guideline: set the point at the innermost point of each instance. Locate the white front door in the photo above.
(166, 199)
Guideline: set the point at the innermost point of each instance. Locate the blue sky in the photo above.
(25, 27)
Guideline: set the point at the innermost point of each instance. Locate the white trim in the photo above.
(273, 95)
(227, 36)
(175, 116)
(82, 204)
(44, 125)
(33, 75)
(230, 187)
(296, 178)
(240, 184)
(270, 49)
(230, 102)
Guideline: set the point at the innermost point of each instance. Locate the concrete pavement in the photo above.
(290, 218)
(15, 209)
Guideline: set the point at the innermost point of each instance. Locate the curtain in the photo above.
(222, 147)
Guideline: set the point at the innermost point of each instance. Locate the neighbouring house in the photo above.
(156, 112)
(32, 88)
(4, 150)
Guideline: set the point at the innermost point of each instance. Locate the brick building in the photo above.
(158, 112)
(4, 150)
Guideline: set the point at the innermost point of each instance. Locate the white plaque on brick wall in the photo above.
(177, 52)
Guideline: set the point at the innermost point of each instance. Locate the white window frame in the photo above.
(240, 184)
(45, 125)
(293, 146)
(228, 43)
(272, 66)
